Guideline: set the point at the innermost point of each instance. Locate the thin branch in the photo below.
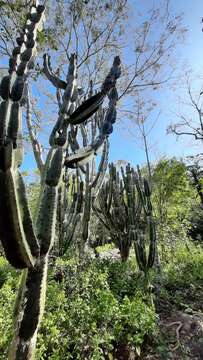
(37, 149)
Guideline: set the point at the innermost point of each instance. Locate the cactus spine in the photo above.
(27, 243)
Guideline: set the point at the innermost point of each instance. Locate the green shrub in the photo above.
(136, 320)
(187, 265)
(9, 279)
(85, 319)
(91, 308)
(123, 277)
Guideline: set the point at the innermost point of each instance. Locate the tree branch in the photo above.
(37, 149)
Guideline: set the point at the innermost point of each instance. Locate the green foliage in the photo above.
(45, 37)
(180, 298)
(136, 320)
(8, 285)
(123, 278)
(98, 305)
(173, 198)
(95, 307)
(196, 223)
(87, 310)
(186, 267)
(171, 189)
(33, 191)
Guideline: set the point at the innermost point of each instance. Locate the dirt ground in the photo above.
(180, 325)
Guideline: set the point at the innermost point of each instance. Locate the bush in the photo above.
(196, 224)
(9, 279)
(186, 267)
(91, 309)
(123, 278)
(86, 319)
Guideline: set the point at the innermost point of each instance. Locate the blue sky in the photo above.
(187, 55)
(124, 145)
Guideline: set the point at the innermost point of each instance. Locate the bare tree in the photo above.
(95, 30)
(191, 123)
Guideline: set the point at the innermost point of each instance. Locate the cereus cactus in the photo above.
(119, 208)
(125, 209)
(85, 183)
(27, 242)
(75, 205)
(16, 229)
(140, 238)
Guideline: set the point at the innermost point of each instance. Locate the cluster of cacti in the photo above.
(74, 217)
(27, 243)
(114, 206)
(124, 207)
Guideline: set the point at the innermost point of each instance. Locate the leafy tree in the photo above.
(173, 197)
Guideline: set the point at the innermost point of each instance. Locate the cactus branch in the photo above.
(58, 83)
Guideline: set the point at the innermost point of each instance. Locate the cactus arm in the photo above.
(103, 206)
(73, 207)
(111, 184)
(51, 177)
(73, 215)
(98, 212)
(97, 182)
(91, 105)
(144, 192)
(84, 135)
(72, 138)
(58, 83)
(28, 311)
(100, 120)
(152, 247)
(134, 239)
(59, 132)
(86, 109)
(14, 211)
(84, 155)
(72, 141)
(15, 222)
(86, 210)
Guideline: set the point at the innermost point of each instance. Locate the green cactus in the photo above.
(145, 261)
(27, 242)
(119, 208)
(87, 176)
(123, 201)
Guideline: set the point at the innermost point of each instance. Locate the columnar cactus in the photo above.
(27, 243)
(76, 220)
(16, 229)
(138, 236)
(119, 208)
(123, 204)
